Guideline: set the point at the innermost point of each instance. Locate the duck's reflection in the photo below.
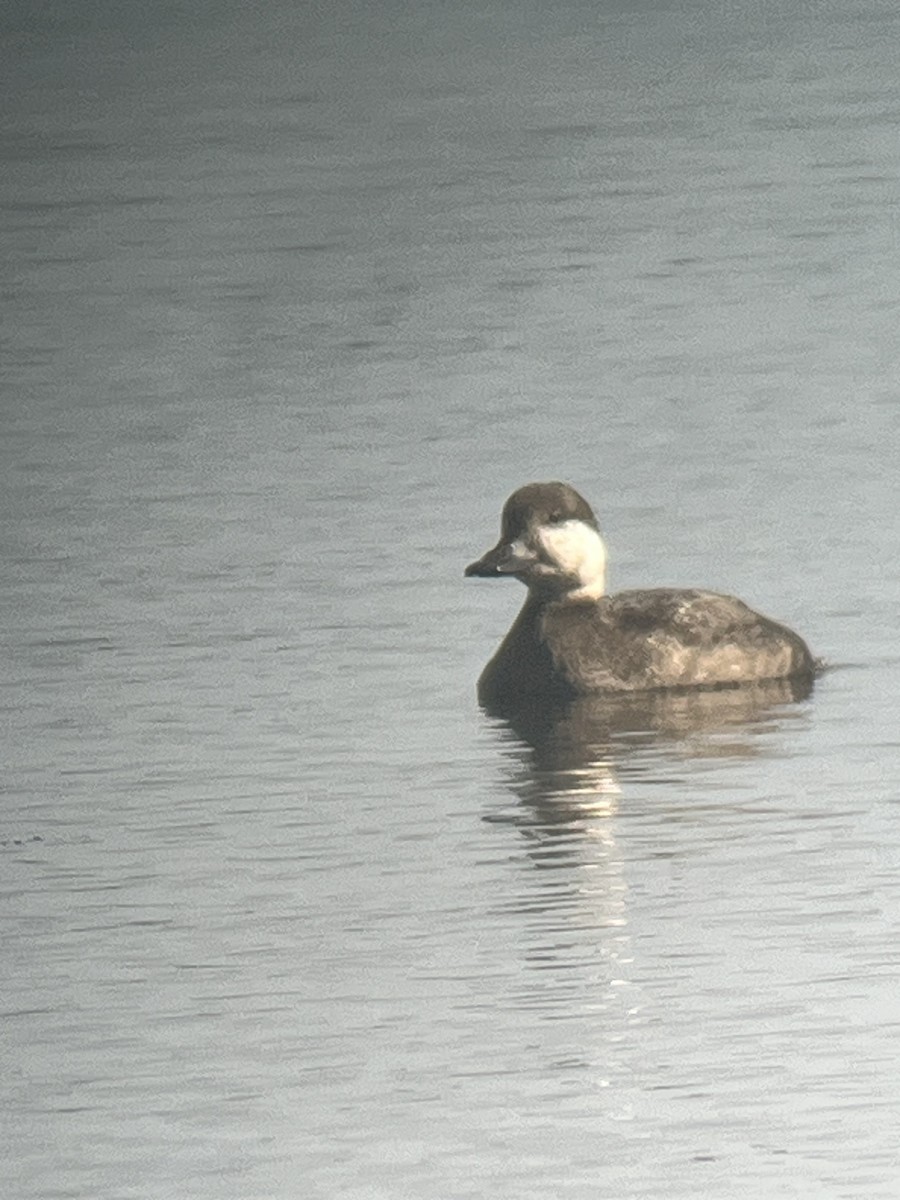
(573, 755)
(567, 769)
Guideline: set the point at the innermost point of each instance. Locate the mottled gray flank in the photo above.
(293, 296)
(637, 641)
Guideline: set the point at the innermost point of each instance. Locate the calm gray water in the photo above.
(293, 296)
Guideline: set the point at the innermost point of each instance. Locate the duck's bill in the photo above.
(506, 558)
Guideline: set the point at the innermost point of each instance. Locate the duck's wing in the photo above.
(672, 637)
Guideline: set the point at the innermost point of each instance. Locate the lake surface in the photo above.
(293, 297)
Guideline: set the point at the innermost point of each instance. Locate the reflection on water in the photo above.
(565, 766)
(572, 754)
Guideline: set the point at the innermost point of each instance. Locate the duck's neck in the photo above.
(542, 594)
(594, 589)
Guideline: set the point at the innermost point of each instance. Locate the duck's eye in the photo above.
(557, 518)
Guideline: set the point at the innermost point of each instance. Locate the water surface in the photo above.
(292, 299)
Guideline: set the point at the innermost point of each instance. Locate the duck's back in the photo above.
(667, 637)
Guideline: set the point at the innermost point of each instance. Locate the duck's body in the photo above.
(635, 641)
(571, 639)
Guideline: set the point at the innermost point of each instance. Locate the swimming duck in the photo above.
(571, 639)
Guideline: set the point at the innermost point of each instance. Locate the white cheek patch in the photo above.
(578, 552)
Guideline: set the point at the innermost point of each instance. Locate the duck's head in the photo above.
(548, 539)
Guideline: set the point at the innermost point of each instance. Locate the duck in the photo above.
(571, 639)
